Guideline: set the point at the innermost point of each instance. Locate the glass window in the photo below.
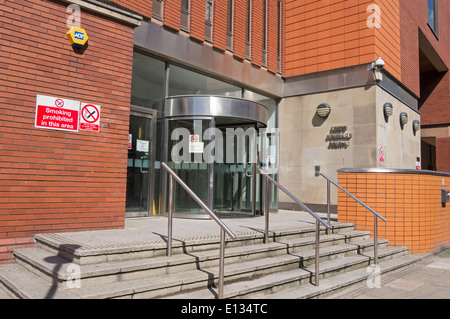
(185, 82)
(230, 16)
(264, 34)
(248, 25)
(209, 11)
(279, 36)
(433, 15)
(248, 21)
(147, 85)
(184, 17)
(185, 5)
(229, 41)
(157, 9)
(208, 20)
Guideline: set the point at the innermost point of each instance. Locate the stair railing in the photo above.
(266, 214)
(223, 228)
(376, 215)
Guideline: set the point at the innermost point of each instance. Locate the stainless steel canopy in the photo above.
(240, 110)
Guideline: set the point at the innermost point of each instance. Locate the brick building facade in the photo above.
(291, 54)
(54, 180)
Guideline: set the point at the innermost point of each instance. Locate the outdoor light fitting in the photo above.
(323, 110)
(403, 118)
(388, 109)
(416, 125)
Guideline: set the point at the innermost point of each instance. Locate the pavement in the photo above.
(151, 230)
(427, 279)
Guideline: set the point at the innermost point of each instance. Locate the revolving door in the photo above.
(212, 144)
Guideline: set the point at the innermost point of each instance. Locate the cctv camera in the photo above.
(379, 63)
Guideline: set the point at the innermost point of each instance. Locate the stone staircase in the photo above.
(283, 268)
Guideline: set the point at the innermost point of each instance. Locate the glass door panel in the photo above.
(139, 166)
(234, 176)
(185, 154)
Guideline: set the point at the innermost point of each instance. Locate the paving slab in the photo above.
(151, 230)
(427, 279)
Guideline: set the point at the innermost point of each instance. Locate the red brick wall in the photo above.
(171, 19)
(443, 154)
(414, 16)
(54, 180)
(411, 204)
(219, 24)
(272, 38)
(172, 12)
(325, 35)
(143, 7)
(256, 32)
(197, 22)
(239, 28)
(436, 106)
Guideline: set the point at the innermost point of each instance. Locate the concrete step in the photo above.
(5, 294)
(60, 268)
(264, 287)
(121, 284)
(332, 286)
(54, 268)
(82, 254)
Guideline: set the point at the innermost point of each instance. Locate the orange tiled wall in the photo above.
(411, 203)
(324, 35)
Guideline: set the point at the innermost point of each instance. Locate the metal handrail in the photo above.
(318, 219)
(223, 228)
(376, 215)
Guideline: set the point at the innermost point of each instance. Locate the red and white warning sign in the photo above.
(57, 113)
(90, 117)
(195, 146)
(130, 139)
(381, 156)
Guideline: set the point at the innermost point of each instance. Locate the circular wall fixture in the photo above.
(403, 118)
(323, 110)
(388, 109)
(416, 125)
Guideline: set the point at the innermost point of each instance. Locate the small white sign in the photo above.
(195, 146)
(142, 145)
(90, 117)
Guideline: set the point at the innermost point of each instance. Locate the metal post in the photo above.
(266, 213)
(328, 204)
(317, 251)
(375, 247)
(169, 217)
(221, 263)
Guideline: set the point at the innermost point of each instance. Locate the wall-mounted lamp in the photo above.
(403, 118)
(416, 126)
(376, 68)
(388, 109)
(323, 110)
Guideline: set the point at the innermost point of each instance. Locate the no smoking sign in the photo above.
(90, 117)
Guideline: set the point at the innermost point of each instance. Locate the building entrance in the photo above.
(234, 189)
(213, 147)
(140, 168)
